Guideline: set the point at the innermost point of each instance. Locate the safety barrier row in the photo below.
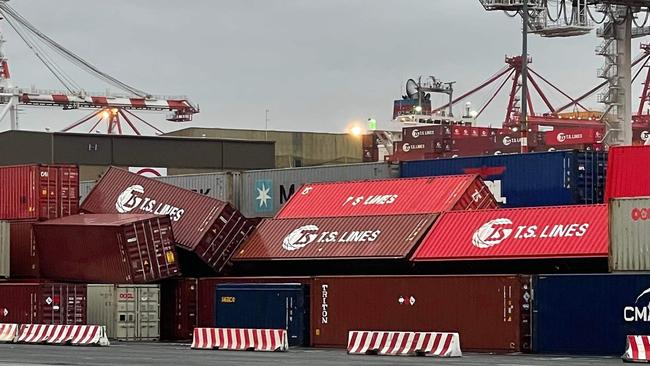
(637, 349)
(404, 343)
(240, 339)
(77, 335)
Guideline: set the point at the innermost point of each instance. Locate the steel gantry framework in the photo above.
(109, 109)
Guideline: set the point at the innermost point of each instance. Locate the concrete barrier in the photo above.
(404, 343)
(77, 335)
(8, 332)
(240, 339)
(637, 349)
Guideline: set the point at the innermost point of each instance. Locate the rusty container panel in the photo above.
(208, 230)
(369, 237)
(382, 197)
(491, 313)
(178, 308)
(23, 254)
(109, 248)
(629, 233)
(38, 191)
(43, 303)
(206, 309)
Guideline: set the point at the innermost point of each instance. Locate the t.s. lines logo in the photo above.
(417, 133)
(495, 231)
(406, 147)
(644, 135)
(562, 137)
(133, 198)
(307, 234)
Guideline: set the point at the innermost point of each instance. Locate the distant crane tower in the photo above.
(420, 89)
(561, 18)
(112, 109)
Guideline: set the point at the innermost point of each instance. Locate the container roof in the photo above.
(99, 219)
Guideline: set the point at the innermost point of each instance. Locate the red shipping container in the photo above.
(207, 291)
(389, 197)
(108, 248)
(540, 232)
(42, 303)
(211, 229)
(336, 237)
(469, 132)
(178, 308)
(22, 252)
(628, 172)
(38, 191)
(420, 134)
(491, 313)
(572, 136)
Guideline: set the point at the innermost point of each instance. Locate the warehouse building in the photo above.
(292, 149)
(94, 153)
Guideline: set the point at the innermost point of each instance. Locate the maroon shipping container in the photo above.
(420, 134)
(108, 248)
(178, 308)
(207, 288)
(42, 303)
(211, 229)
(38, 191)
(22, 250)
(490, 313)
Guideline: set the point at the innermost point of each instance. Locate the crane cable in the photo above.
(69, 54)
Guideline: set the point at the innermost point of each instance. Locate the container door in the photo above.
(48, 192)
(4, 249)
(296, 313)
(102, 308)
(126, 313)
(148, 315)
(68, 179)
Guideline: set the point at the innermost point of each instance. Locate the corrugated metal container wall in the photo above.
(206, 316)
(5, 240)
(524, 180)
(38, 191)
(211, 229)
(265, 306)
(491, 313)
(336, 237)
(127, 248)
(629, 234)
(178, 308)
(389, 197)
(84, 189)
(589, 314)
(538, 232)
(263, 192)
(23, 253)
(129, 312)
(628, 173)
(42, 303)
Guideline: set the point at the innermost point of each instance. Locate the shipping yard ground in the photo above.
(160, 354)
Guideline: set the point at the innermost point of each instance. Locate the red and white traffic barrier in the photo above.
(404, 343)
(638, 349)
(240, 339)
(78, 335)
(8, 332)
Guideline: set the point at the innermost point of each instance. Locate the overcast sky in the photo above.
(316, 65)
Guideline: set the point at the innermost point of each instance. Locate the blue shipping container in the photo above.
(265, 306)
(522, 180)
(589, 314)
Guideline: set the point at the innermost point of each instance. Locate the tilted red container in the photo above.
(531, 233)
(210, 229)
(22, 252)
(369, 237)
(38, 191)
(491, 313)
(628, 172)
(107, 248)
(389, 197)
(42, 303)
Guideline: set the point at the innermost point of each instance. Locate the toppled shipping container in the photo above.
(207, 229)
(42, 303)
(107, 248)
(38, 191)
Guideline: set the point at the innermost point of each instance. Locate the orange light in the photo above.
(105, 114)
(114, 110)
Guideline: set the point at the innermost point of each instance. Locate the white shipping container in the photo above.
(4, 249)
(263, 192)
(129, 312)
(629, 231)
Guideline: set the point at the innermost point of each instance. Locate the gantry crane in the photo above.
(111, 109)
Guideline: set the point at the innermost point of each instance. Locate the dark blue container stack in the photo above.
(522, 180)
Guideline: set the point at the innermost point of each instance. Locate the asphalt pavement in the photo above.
(160, 354)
